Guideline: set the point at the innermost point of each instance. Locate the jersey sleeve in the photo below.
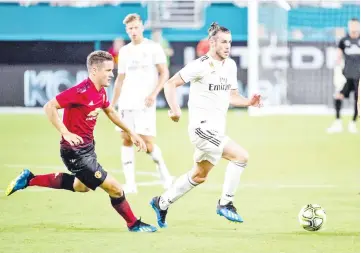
(191, 71)
(68, 97)
(233, 76)
(106, 102)
(121, 61)
(159, 55)
(341, 44)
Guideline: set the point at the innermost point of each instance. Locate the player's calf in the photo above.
(128, 161)
(238, 158)
(121, 205)
(199, 176)
(181, 186)
(150, 146)
(112, 187)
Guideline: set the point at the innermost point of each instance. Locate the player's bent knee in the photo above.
(244, 157)
(149, 145)
(115, 191)
(199, 177)
(127, 142)
(81, 189)
(79, 186)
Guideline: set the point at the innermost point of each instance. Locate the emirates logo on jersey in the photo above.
(93, 115)
(218, 87)
(222, 86)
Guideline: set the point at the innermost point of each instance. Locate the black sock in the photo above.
(355, 112)
(338, 104)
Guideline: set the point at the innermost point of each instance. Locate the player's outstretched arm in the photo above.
(51, 109)
(117, 88)
(171, 96)
(240, 101)
(136, 139)
(163, 77)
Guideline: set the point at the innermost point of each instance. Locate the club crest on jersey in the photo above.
(97, 174)
(223, 80)
(93, 115)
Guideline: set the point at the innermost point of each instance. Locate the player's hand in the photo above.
(175, 116)
(256, 101)
(73, 139)
(138, 142)
(150, 100)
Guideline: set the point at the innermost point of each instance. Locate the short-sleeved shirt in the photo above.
(82, 104)
(210, 85)
(351, 51)
(138, 63)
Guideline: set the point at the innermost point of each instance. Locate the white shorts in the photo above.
(140, 121)
(209, 143)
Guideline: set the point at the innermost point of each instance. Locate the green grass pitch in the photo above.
(293, 162)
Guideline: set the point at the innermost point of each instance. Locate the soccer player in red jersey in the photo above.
(82, 104)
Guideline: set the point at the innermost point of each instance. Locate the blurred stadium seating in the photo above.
(74, 28)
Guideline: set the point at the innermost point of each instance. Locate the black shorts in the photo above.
(82, 162)
(350, 85)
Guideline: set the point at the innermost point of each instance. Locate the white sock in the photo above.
(127, 156)
(181, 186)
(231, 181)
(158, 159)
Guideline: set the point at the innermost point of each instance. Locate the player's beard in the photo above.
(221, 55)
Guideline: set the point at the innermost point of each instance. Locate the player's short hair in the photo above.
(131, 17)
(355, 20)
(98, 57)
(215, 28)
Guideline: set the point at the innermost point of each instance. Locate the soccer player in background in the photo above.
(142, 72)
(349, 50)
(82, 104)
(213, 86)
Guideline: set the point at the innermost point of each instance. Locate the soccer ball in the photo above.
(312, 217)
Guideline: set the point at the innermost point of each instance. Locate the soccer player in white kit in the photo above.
(213, 86)
(142, 72)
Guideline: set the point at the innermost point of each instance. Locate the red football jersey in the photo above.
(82, 104)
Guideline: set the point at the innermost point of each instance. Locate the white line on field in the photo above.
(41, 189)
(57, 167)
(209, 186)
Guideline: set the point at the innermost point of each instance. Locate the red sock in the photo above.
(54, 180)
(121, 205)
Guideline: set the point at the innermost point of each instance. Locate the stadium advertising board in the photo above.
(298, 74)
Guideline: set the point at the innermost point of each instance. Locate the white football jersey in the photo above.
(210, 85)
(138, 63)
